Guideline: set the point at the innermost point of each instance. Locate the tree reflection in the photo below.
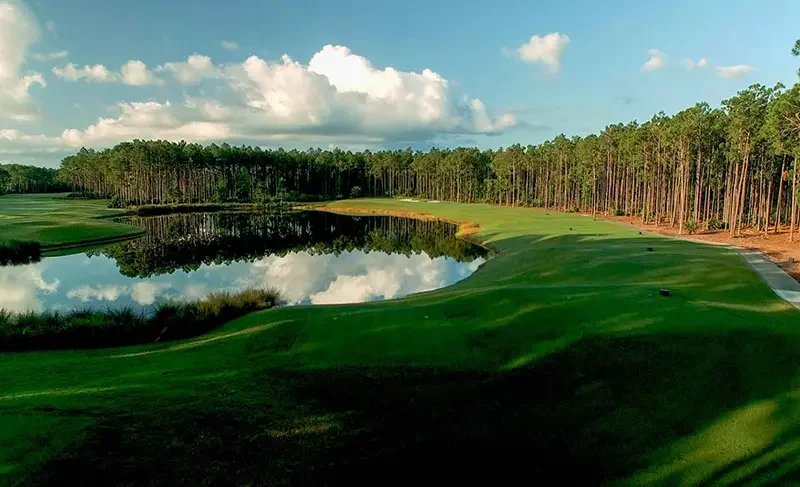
(187, 241)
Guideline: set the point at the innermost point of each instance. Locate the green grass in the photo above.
(557, 359)
(54, 221)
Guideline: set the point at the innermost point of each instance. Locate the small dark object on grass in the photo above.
(640, 233)
(570, 229)
(664, 292)
(650, 249)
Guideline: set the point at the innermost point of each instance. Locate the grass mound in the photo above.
(173, 320)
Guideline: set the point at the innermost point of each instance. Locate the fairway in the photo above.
(557, 359)
(54, 221)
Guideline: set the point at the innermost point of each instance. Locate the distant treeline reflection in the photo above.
(187, 241)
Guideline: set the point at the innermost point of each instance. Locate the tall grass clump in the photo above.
(15, 252)
(49, 330)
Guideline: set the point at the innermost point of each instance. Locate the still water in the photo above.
(312, 257)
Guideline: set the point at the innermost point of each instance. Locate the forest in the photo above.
(729, 167)
(16, 178)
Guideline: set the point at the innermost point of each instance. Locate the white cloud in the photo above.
(97, 73)
(99, 293)
(49, 56)
(547, 50)
(135, 73)
(353, 276)
(230, 45)
(657, 60)
(196, 68)
(22, 287)
(146, 293)
(690, 65)
(18, 30)
(341, 92)
(338, 98)
(51, 25)
(731, 72)
(146, 120)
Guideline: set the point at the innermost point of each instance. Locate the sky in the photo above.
(369, 75)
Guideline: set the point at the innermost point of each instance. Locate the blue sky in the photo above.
(484, 87)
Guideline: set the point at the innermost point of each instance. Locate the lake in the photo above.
(311, 257)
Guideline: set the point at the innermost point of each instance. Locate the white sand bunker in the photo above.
(409, 200)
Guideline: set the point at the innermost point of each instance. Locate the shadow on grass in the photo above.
(646, 409)
(573, 377)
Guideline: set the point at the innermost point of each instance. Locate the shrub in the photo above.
(118, 202)
(618, 212)
(97, 329)
(691, 226)
(355, 192)
(715, 224)
(84, 195)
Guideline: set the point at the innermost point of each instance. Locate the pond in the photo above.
(311, 257)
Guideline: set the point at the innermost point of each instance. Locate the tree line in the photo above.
(17, 178)
(718, 168)
(187, 241)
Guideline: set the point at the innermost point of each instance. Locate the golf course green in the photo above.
(557, 361)
(57, 222)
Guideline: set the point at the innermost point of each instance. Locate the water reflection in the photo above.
(313, 258)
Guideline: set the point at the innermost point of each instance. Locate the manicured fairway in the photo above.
(557, 361)
(50, 220)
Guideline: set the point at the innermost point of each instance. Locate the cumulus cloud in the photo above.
(546, 50)
(354, 276)
(146, 293)
(196, 68)
(338, 97)
(732, 72)
(97, 73)
(657, 60)
(132, 73)
(18, 30)
(97, 293)
(49, 56)
(135, 73)
(230, 45)
(690, 65)
(21, 288)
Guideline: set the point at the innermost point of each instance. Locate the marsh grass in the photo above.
(15, 252)
(49, 330)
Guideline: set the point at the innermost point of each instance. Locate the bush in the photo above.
(618, 212)
(15, 252)
(98, 329)
(715, 224)
(84, 195)
(118, 202)
(355, 192)
(691, 226)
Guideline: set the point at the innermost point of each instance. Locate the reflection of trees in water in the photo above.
(187, 241)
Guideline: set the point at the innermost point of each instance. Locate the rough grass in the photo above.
(50, 330)
(556, 360)
(52, 220)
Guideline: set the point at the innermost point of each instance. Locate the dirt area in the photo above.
(776, 246)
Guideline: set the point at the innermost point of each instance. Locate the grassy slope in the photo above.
(51, 221)
(556, 358)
